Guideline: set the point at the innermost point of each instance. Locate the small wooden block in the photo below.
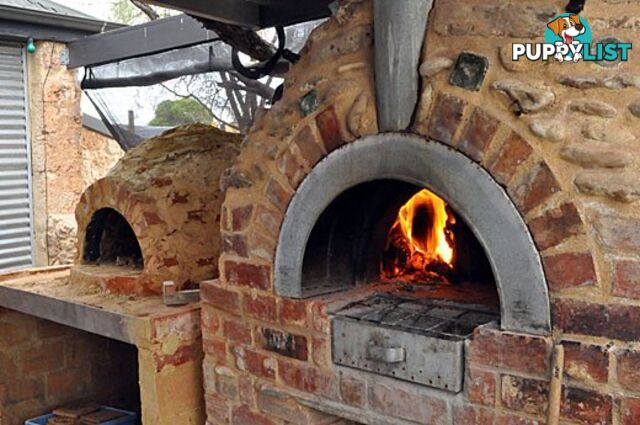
(60, 420)
(101, 416)
(75, 411)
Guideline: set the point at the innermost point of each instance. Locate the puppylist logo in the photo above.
(568, 38)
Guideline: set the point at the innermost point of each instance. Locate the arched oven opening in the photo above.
(110, 240)
(431, 282)
(416, 254)
(402, 236)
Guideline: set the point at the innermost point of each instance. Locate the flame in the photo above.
(422, 232)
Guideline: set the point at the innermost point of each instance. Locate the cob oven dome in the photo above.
(156, 215)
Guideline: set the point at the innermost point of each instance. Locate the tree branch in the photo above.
(263, 92)
(245, 40)
(232, 97)
(146, 9)
(261, 89)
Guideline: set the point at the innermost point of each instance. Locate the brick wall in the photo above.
(44, 365)
(564, 150)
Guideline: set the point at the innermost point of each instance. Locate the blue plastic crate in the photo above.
(128, 419)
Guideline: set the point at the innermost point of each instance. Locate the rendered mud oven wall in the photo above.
(560, 138)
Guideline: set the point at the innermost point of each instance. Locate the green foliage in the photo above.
(171, 113)
(125, 12)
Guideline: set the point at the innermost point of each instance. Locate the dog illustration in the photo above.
(567, 28)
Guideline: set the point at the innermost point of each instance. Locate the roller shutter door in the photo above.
(16, 218)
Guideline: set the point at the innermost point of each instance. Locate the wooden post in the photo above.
(555, 386)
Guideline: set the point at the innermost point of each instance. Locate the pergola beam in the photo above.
(138, 40)
(235, 12)
(252, 13)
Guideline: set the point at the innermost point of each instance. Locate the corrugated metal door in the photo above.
(16, 224)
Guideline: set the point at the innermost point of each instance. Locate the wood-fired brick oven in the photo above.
(377, 110)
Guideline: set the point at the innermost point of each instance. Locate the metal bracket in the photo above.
(172, 297)
(64, 56)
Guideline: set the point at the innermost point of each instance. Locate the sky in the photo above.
(141, 101)
(98, 8)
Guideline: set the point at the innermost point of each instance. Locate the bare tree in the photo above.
(232, 98)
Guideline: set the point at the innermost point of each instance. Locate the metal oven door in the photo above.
(425, 360)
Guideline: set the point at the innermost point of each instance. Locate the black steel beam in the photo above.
(236, 12)
(272, 16)
(138, 40)
(252, 13)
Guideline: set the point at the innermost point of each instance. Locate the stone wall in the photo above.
(99, 155)
(44, 365)
(559, 137)
(66, 158)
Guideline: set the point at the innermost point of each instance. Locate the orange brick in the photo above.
(220, 298)
(244, 416)
(493, 347)
(237, 331)
(305, 378)
(481, 387)
(260, 307)
(293, 312)
(216, 348)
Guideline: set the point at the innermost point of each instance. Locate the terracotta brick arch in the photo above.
(270, 169)
(511, 159)
(329, 100)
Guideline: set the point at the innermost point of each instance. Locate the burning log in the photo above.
(420, 245)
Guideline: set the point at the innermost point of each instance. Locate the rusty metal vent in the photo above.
(419, 341)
